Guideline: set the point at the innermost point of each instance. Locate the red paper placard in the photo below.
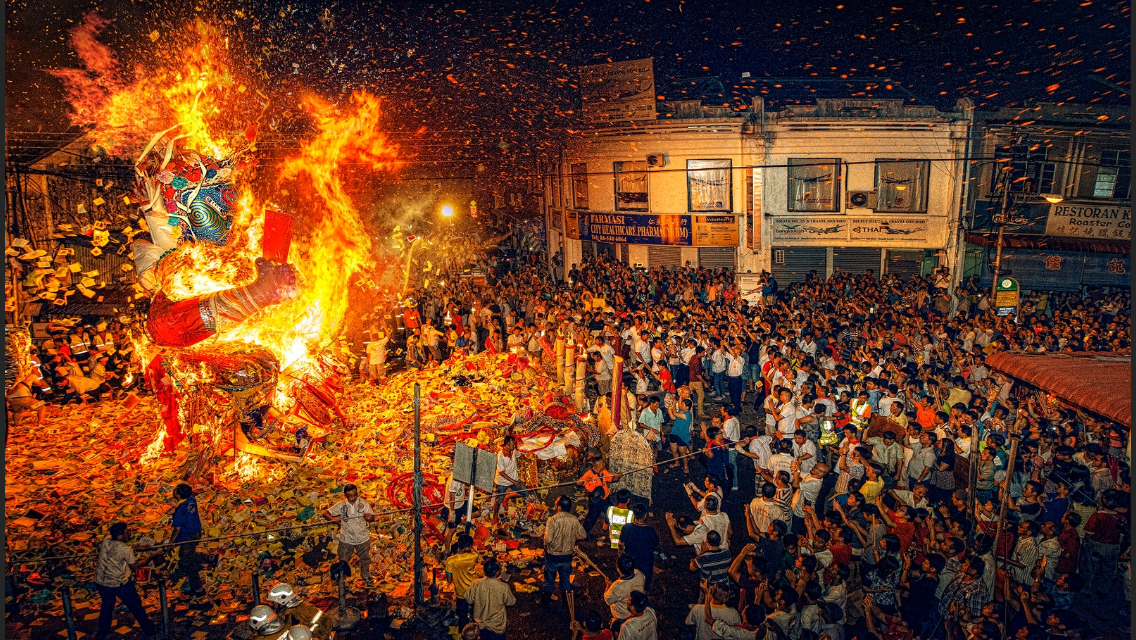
(277, 236)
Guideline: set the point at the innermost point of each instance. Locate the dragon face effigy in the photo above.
(190, 199)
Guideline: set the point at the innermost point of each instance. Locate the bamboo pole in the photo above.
(1004, 498)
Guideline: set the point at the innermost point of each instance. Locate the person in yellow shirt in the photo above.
(873, 482)
(461, 566)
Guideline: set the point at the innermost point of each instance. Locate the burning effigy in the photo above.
(245, 294)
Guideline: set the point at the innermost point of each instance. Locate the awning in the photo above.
(1051, 243)
(1097, 382)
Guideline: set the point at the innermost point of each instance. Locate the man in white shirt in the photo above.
(888, 400)
(506, 478)
(114, 578)
(732, 429)
(353, 514)
(764, 509)
(606, 352)
(808, 488)
(377, 353)
(782, 460)
(630, 579)
(760, 449)
(805, 452)
(642, 623)
(720, 615)
(718, 370)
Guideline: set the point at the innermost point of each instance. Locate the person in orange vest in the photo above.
(597, 482)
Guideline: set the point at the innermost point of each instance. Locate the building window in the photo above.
(1114, 176)
(631, 186)
(814, 184)
(708, 185)
(1032, 172)
(580, 185)
(901, 185)
(778, 256)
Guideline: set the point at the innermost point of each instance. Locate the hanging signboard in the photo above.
(1006, 297)
(1100, 221)
(572, 224)
(676, 229)
(618, 92)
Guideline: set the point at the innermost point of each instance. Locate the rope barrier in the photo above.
(386, 513)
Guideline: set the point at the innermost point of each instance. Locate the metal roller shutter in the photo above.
(797, 263)
(856, 260)
(905, 263)
(660, 256)
(716, 257)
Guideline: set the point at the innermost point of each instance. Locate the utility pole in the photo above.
(418, 565)
(1000, 219)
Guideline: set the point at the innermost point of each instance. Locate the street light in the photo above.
(447, 211)
(1052, 198)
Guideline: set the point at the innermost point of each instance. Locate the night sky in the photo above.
(490, 78)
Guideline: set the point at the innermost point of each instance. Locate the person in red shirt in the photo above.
(410, 318)
(899, 522)
(1102, 544)
(841, 546)
(1070, 542)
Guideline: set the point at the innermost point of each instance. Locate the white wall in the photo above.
(940, 140)
(861, 146)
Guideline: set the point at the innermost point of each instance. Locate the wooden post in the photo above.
(569, 358)
(1006, 487)
(616, 392)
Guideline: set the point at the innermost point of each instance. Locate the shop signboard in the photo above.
(1103, 221)
(676, 229)
(877, 229)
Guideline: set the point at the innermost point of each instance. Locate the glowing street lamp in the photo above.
(447, 211)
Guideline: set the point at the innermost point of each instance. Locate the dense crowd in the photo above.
(854, 526)
(901, 489)
(76, 363)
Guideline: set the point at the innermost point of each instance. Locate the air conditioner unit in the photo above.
(657, 160)
(860, 200)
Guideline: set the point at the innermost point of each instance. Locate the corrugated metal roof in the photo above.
(1098, 382)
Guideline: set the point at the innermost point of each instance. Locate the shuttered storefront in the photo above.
(660, 256)
(717, 257)
(792, 264)
(905, 263)
(856, 260)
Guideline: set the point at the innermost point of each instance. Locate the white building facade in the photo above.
(850, 185)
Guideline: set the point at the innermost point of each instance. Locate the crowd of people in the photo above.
(854, 526)
(900, 487)
(75, 363)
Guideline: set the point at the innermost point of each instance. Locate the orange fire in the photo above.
(199, 101)
(199, 97)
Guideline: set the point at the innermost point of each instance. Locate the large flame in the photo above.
(200, 96)
(199, 100)
(338, 247)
